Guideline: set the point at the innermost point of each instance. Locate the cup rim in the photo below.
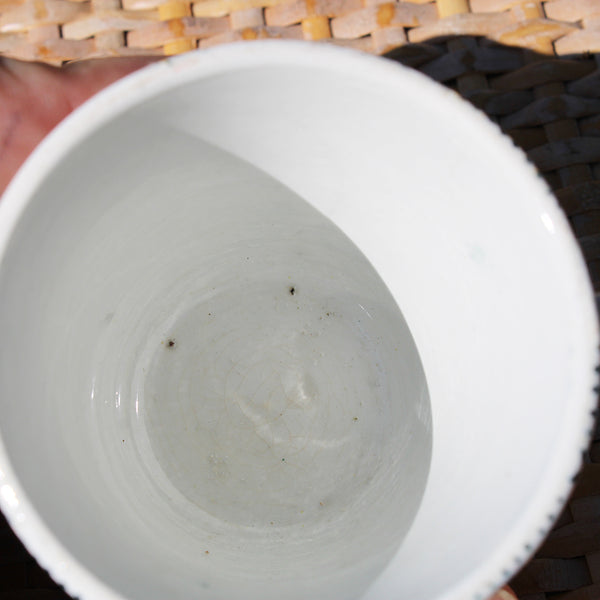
(528, 533)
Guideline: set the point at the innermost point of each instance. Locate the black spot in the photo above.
(292, 290)
(170, 343)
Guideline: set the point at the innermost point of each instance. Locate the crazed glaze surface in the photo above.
(236, 372)
(152, 417)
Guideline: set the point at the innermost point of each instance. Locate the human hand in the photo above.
(34, 98)
(504, 594)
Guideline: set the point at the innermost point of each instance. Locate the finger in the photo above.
(504, 594)
(86, 78)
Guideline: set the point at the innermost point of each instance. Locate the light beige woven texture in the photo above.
(62, 30)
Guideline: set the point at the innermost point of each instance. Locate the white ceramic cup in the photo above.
(283, 321)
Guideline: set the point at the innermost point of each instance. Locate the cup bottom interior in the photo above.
(225, 386)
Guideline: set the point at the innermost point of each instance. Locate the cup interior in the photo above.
(280, 330)
(221, 382)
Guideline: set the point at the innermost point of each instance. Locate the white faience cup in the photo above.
(283, 321)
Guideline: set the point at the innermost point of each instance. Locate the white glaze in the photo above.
(238, 373)
(129, 459)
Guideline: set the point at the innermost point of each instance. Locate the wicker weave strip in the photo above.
(55, 31)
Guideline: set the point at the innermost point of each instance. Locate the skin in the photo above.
(34, 98)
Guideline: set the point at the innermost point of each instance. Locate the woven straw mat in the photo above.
(533, 67)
